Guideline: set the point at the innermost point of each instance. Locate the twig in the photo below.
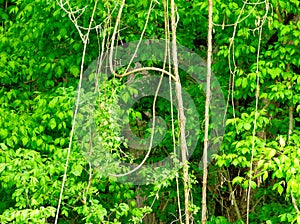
(236, 207)
(294, 202)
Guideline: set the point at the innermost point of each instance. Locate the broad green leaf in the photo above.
(3, 146)
(25, 141)
(280, 189)
(77, 169)
(265, 176)
(247, 126)
(271, 153)
(52, 123)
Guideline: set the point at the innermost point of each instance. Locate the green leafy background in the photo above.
(40, 58)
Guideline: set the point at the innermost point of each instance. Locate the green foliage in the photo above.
(40, 60)
(278, 71)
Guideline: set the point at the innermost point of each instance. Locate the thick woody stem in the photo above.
(182, 119)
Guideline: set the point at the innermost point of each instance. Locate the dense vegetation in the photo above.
(256, 59)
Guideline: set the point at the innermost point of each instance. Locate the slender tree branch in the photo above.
(85, 41)
(256, 114)
(182, 118)
(113, 38)
(294, 202)
(207, 104)
(236, 207)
